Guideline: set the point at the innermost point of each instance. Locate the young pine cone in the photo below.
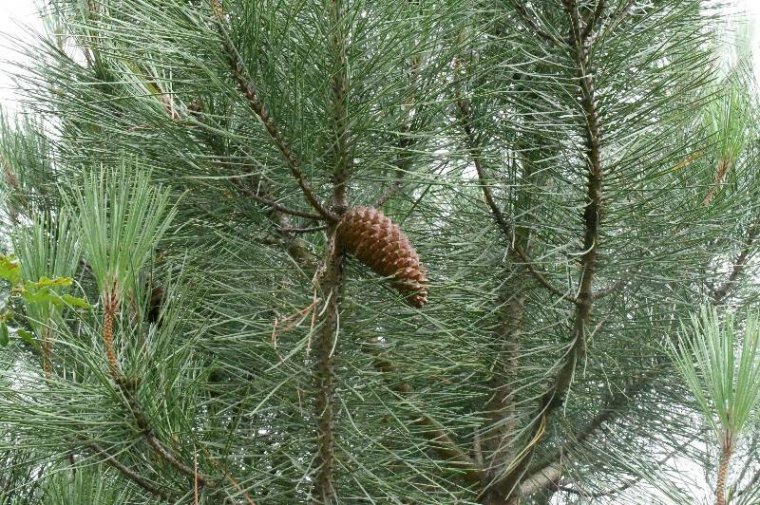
(382, 246)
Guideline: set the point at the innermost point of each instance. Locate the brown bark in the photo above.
(723, 466)
(331, 279)
(110, 308)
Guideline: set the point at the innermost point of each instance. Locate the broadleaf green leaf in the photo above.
(9, 269)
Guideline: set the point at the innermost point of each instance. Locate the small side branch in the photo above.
(633, 481)
(528, 20)
(259, 108)
(444, 444)
(147, 431)
(465, 114)
(253, 195)
(591, 24)
(130, 474)
(540, 277)
(739, 265)
(615, 20)
(614, 407)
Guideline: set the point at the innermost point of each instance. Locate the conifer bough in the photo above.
(381, 245)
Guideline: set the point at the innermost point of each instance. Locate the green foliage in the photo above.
(574, 175)
(721, 368)
(122, 217)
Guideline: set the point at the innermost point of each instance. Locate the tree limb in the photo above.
(329, 281)
(553, 397)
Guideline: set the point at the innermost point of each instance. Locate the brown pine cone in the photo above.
(382, 246)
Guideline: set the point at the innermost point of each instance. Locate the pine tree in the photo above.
(349, 251)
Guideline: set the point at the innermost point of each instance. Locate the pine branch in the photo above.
(279, 214)
(751, 485)
(148, 432)
(739, 264)
(602, 293)
(614, 407)
(540, 277)
(629, 483)
(237, 67)
(330, 280)
(310, 229)
(465, 114)
(553, 397)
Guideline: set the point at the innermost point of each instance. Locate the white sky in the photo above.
(16, 16)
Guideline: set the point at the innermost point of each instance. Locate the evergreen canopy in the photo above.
(576, 177)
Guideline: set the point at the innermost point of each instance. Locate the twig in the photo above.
(600, 4)
(617, 19)
(633, 481)
(167, 455)
(444, 444)
(259, 108)
(312, 229)
(465, 112)
(195, 477)
(541, 278)
(276, 206)
(530, 22)
(130, 474)
(739, 264)
(147, 431)
(280, 217)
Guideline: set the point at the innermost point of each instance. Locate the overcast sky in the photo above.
(16, 17)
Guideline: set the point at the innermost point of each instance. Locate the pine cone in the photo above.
(382, 246)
